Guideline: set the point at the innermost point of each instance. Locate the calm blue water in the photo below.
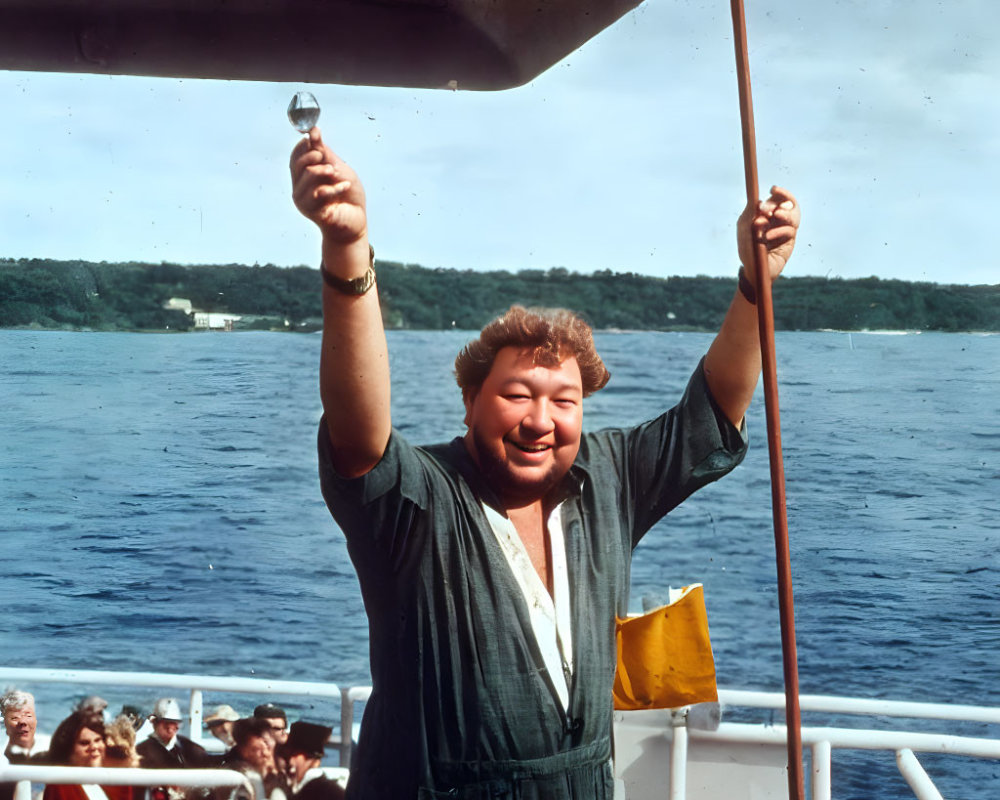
(160, 510)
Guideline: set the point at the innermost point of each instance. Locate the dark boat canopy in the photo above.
(464, 44)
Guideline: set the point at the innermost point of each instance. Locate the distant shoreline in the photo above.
(80, 295)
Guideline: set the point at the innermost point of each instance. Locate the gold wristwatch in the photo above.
(355, 286)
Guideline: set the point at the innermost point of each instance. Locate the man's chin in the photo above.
(514, 484)
(520, 486)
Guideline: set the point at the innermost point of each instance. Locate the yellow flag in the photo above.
(665, 656)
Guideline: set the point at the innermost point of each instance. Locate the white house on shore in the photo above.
(203, 320)
(178, 304)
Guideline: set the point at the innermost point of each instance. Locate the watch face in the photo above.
(352, 286)
(364, 283)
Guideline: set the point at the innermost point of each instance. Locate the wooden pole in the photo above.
(765, 322)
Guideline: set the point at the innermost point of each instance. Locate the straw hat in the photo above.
(221, 714)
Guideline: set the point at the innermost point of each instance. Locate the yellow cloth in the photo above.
(665, 656)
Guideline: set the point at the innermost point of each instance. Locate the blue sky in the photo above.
(883, 116)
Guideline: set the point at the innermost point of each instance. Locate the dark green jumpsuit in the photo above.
(461, 706)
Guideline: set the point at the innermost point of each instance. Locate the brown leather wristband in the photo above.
(356, 286)
(747, 289)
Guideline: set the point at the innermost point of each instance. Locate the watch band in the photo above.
(747, 289)
(354, 287)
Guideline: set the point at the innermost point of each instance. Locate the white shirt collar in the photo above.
(168, 745)
(40, 745)
(311, 774)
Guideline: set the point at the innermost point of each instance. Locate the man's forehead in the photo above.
(527, 359)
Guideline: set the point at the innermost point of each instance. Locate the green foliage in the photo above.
(131, 296)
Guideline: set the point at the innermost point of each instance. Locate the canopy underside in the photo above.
(463, 44)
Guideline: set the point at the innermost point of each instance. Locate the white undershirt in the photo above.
(549, 614)
(93, 792)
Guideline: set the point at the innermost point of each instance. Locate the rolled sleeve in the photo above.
(377, 510)
(681, 451)
(659, 463)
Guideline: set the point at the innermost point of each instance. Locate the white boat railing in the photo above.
(124, 776)
(649, 740)
(822, 741)
(856, 705)
(642, 737)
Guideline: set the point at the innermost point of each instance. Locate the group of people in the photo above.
(280, 762)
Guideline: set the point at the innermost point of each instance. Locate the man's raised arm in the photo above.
(732, 365)
(354, 364)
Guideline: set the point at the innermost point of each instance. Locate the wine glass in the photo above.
(303, 112)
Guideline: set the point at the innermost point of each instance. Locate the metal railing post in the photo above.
(923, 787)
(195, 715)
(821, 771)
(346, 726)
(678, 757)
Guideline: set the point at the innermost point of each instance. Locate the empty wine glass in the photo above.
(303, 112)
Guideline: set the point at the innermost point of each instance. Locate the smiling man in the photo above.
(493, 567)
(24, 743)
(525, 415)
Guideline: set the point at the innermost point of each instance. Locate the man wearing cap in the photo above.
(166, 748)
(303, 753)
(220, 724)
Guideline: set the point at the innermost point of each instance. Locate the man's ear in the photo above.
(468, 398)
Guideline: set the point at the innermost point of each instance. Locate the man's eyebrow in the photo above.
(559, 385)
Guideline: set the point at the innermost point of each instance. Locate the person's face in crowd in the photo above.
(525, 423)
(20, 724)
(165, 729)
(258, 752)
(222, 730)
(88, 749)
(297, 766)
(279, 729)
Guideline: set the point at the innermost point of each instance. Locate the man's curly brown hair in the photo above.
(553, 335)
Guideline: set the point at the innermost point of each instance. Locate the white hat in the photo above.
(168, 709)
(222, 713)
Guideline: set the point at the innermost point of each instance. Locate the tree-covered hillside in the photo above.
(131, 296)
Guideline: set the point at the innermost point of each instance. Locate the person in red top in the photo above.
(79, 741)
